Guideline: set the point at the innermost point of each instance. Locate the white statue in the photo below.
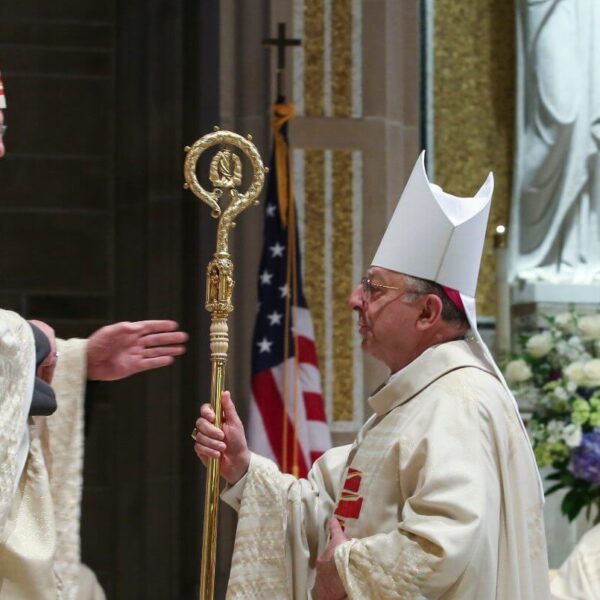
(555, 224)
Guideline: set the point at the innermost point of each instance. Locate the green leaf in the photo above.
(554, 488)
(567, 478)
(572, 504)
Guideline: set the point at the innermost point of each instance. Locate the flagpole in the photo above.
(225, 174)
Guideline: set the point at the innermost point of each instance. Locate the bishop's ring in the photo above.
(194, 433)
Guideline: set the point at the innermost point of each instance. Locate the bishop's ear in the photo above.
(430, 313)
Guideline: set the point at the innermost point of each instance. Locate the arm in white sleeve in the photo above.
(281, 526)
(17, 373)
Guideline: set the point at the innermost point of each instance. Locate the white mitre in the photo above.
(436, 236)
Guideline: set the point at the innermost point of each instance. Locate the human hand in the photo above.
(122, 349)
(328, 584)
(228, 444)
(46, 369)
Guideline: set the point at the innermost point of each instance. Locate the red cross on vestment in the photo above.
(350, 503)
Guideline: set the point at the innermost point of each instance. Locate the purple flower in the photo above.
(554, 375)
(585, 459)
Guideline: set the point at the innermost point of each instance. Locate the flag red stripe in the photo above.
(307, 351)
(314, 454)
(270, 406)
(313, 403)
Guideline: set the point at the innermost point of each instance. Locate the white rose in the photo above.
(539, 345)
(590, 327)
(572, 435)
(591, 370)
(560, 393)
(554, 430)
(576, 349)
(517, 371)
(565, 322)
(574, 372)
(575, 342)
(536, 432)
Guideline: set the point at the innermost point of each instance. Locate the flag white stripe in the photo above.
(319, 435)
(303, 324)
(258, 440)
(309, 377)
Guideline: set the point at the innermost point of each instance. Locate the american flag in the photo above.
(287, 421)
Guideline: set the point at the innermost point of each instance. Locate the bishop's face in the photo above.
(386, 319)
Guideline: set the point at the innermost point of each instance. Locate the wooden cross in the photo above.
(282, 43)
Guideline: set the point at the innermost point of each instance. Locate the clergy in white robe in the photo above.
(39, 549)
(579, 576)
(437, 495)
(40, 501)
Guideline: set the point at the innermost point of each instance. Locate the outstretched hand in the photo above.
(328, 584)
(228, 444)
(122, 349)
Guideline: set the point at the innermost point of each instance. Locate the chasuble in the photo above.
(39, 543)
(438, 494)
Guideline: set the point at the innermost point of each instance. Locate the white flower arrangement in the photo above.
(589, 327)
(558, 371)
(539, 345)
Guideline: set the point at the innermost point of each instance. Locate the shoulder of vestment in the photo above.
(433, 366)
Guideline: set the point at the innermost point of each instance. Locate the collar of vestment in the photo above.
(432, 364)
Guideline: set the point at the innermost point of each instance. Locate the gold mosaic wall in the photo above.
(314, 173)
(339, 89)
(314, 246)
(342, 284)
(474, 87)
(314, 59)
(341, 58)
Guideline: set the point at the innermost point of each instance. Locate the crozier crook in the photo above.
(226, 176)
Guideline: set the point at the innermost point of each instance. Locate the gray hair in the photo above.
(421, 287)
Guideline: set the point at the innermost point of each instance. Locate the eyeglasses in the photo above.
(368, 286)
(3, 129)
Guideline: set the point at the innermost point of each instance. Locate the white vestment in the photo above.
(579, 576)
(439, 496)
(39, 543)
